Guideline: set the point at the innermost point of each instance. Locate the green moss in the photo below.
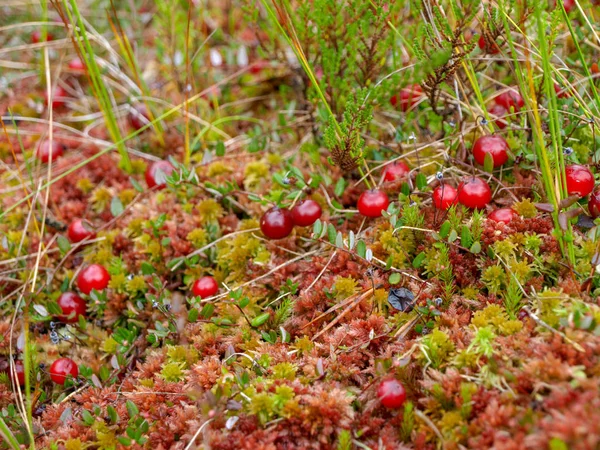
(209, 210)
(494, 278)
(254, 173)
(437, 347)
(173, 372)
(525, 208)
(218, 168)
(285, 371)
(344, 287)
(495, 317)
(198, 237)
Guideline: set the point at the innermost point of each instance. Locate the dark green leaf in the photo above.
(259, 320)
(361, 248)
(331, 233)
(340, 187)
(418, 261)
(421, 181)
(112, 414)
(147, 268)
(220, 149)
(132, 409)
(193, 315)
(87, 417)
(445, 229)
(63, 244)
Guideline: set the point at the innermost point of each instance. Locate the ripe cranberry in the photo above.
(157, 173)
(45, 148)
(492, 49)
(569, 5)
(474, 193)
(560, 92)
(20, 369)
(205, 287)
(258, 67)
(395, 171)
(594, 204)
(138, 116)
(77, 65)
(580, 180)
(407, 97)
(62, 368)
(510, 98)
(504, 215)
(495, 146)
(79, 230)
(277, 223)
(306, 213)
(72, 306)
(93, 277)
(391, 393)
(444, 196)
(371, 203)
(498, 111)
(595, 69)
(36, 37)
(59, 96)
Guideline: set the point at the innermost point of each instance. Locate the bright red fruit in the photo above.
(205, 287)
(391, 393)
(493, 49)
(258, 67)
(36, 37)
(20, 369)
(560, 92)
(79, 230)
(93, 277)
(76, 65)
(138, 116)
(594, 204)
(306, 212)
(495, 146)
(59, 96)
(371, 203)
(498, 111)
(504, 215)
(45, 148)
(407, 97)
(444, 196)
(277, 223)
(395, 171)
(510, 98)
(569, 5)
(473, 192)
(157, 173)
(72, 306)
(62, 368)
(580, 180)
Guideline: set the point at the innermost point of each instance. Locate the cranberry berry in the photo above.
(306, 213)
(36, 37)
(76, 65)
(580, 180)
(495, 146)
(277, 223)
(499, 112)
(80, 230)
(157, 173)
(372, 203)
(59, 95)
(395, 171)
(62, 368)
(93, 277)
(391, 393)
(492, 49)
(504, 215)
(45, 148)
(139, 116)
(510, 98)
(20, 370)
(408, 97)
(594, 204)
(205, 287)
(444, 196)
(72, 306)
(474, 193)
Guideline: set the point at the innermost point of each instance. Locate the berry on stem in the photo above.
(79, 230)
(372, 203)
(395, 171)
(391, 393)
(157, 173)
(498, 111)
(580, 180)
(594, 204)
(306, 212)
(510, 98)
(474, 193)
(93, 277)
(205, 287)
(504, 215)
(45, 148)
(444, 196)
(495, 146)
(72, 306)
(492, 49)
(77, 65)
(36, 37)
(277, 223)
(560, 92)
(59, 95)
(20, 369)
(407, 97)
(62, 368)
(138, 116)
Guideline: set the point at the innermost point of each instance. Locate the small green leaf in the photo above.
(124, 440)
(476, 247)
(259, 320)
(112, 414)
(63, 244)
(466, 238)
(331, 233)
(394, 278)
(488, 163)
(339, 240)
(453, 236)
(193, 315)
(147, 268)
(445, 229)
(340, 187)
(405, 189)
(418, 261)
(208, 310)
(87, 417)
(317, 228)
(116, 206)
(220, 149)
(421, 181)
(244, 302)
(361, 248)
(136, 185)
(132, 409)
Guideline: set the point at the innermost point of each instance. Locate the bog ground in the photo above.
(277, 224)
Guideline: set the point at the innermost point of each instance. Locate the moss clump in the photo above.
(254, 173)
(218, 168)
(235, 254)
(496, 317)
(345, 287)
(284, 371)
(173, 372)
(198, 237)
(209, 210)
(525, 208)
(437, 347)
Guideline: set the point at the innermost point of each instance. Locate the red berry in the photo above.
(474, 193)
(391, 393)
(444, 196)
(492, 49)
(62, 368)
(277, 223)
(580, 180)
(372, 203)
(395, 171)
(36, 37)
(258, 67)
(59, 95)
(595, 69)
(306, 212)
(93, 277)
(498, 111)
(45, 148)
(569, 5)
(72, 306)
(495, 146)
(77, 65)
(138, 116)
(560, 92)
(510, 98)
(157, 173)
(594, 204)
(407, 97)
(205, 287)
(504, 215)
(79, 230)
(20, 369)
